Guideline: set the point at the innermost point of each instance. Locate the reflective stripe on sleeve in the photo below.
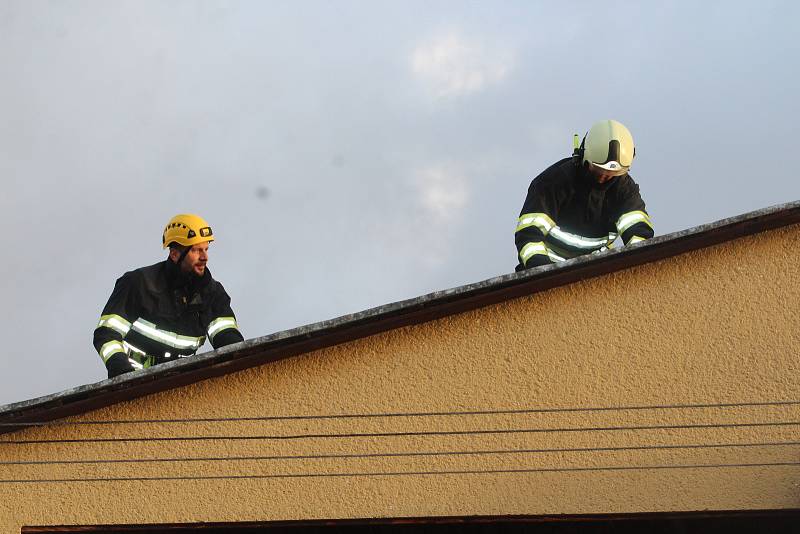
(540, 220)
(531, 249)
(632, 217)
(219, 324)
(172, 339)
(131, 349)
(115, 323)
(111, 348)
(578, 241)
(636, 239)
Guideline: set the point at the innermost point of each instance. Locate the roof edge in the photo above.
(303, 339)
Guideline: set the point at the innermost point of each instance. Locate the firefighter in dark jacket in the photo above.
(159, 313)
(581, 204)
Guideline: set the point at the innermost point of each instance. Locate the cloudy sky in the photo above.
(351, 153)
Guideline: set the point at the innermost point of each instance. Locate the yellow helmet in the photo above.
(609, 146)
(187, 230)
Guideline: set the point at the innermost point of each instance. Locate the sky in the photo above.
(350, 154)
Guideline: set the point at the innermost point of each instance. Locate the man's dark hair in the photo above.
(177, 246)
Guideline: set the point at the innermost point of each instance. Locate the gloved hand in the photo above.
(118, 364)
(537, 260)
(228, 336)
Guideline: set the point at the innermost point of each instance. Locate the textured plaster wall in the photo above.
(718, 325)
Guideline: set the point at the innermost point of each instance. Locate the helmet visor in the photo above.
(613, 168)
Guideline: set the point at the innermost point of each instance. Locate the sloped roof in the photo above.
(304, 339)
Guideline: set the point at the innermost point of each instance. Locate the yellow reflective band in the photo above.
(578, 241)
(115, 323)
(219, 324)
(131, 349)
(636, 239)
(172, 339)
(531, 249)
(540, 220)
(111, 348)
(553, 256)
(632, 217)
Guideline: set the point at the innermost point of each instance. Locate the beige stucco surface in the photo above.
(718, 325)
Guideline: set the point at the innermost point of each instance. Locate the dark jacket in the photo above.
(158, 313)
(567, 213)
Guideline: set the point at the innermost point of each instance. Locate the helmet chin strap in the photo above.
(183, 255)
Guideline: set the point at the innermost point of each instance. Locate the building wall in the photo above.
(714, 326)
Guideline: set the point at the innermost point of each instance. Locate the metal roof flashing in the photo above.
(280, 345)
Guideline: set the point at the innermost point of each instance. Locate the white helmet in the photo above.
(609, 146)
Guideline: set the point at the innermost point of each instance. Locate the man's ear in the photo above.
(174, 254)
